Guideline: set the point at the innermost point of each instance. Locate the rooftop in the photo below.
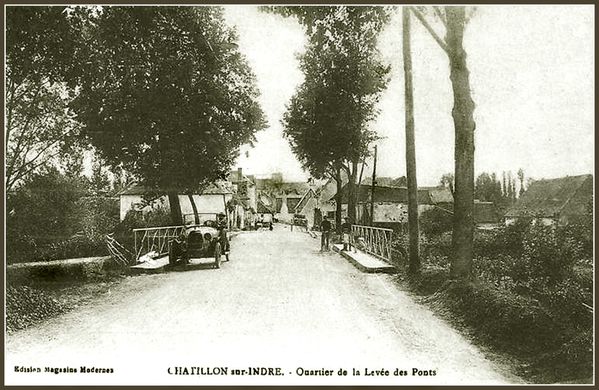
(549, 197)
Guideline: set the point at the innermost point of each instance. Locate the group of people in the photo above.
(325, 228)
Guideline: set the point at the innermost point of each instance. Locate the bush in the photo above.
(50, 217)
(435, 221)
(573, 360)
(430, 247)
(26, 305)
(95, 216)
(506, 240)
(545, 256)
(74, 247)
(532, 297)
(515, 322)
(430, 279)
(501, 270)
(159, 216)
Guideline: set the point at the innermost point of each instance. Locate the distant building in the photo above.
(243, 206)
(211, 201)
(391, 203)
(553, 201)
(284, 199)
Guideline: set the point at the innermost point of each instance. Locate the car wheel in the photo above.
(217, 255)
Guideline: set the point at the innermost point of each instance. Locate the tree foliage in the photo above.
(166, 95)
(327, 119)
(40, 128)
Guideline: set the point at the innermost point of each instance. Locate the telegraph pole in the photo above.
(413, 232)
(372, 189)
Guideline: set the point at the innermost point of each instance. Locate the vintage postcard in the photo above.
(299, 195)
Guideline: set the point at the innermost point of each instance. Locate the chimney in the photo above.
(239, 173)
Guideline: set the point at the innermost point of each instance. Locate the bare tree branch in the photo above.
(440, 14)
(428, 27)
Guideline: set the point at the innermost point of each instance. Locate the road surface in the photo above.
(278, 303)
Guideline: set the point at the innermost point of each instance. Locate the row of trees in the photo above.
(160, 92)
(489, 187)
(503, 193)
(327, 121)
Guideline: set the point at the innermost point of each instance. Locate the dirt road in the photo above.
(278, 303)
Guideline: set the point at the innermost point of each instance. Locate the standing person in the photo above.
(346, 232)
(223, 237)
(325, 227)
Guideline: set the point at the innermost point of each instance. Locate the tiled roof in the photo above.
(212, 189)
(548, 197)
(391, 194)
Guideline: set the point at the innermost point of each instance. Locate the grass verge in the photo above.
(535, 342)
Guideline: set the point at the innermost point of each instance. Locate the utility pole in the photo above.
(372, 189)
(413, 233)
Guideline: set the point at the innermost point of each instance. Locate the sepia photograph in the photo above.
(353, 195)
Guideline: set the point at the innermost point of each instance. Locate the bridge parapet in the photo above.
(373, 240)
(155, 239)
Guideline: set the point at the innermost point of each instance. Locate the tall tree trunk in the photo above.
(196, 216)
(463, 118)
(413, 231)
(338, 201)
(175, 206)
(352, 192)
(372, 189)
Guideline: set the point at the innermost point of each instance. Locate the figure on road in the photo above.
(346, 231)
(325, 227)
(223, 237)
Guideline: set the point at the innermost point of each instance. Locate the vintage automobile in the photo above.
(264, 221)
(300, 220)
(199, 242)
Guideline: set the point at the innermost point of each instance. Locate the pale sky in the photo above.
(531, 74)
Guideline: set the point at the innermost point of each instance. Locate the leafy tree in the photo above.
(454, 20)
(521, 178)
(488, 188)
(448, 181)
(167, 96)
(327, 119)
(40, 213)
(99, 182)
(40, 128)
(436, 221)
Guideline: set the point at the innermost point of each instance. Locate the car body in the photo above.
(300, 220)
(199, 242)
(264, 221)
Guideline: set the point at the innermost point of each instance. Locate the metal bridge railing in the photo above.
(155, 239)
(373, 240)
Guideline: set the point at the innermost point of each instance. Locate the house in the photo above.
(326, 199)
(242, 208)
(288, 196)
(307, 206)
(211, 201)
(244, 187)
(283, 198)
(553, 201)
(391, 203)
